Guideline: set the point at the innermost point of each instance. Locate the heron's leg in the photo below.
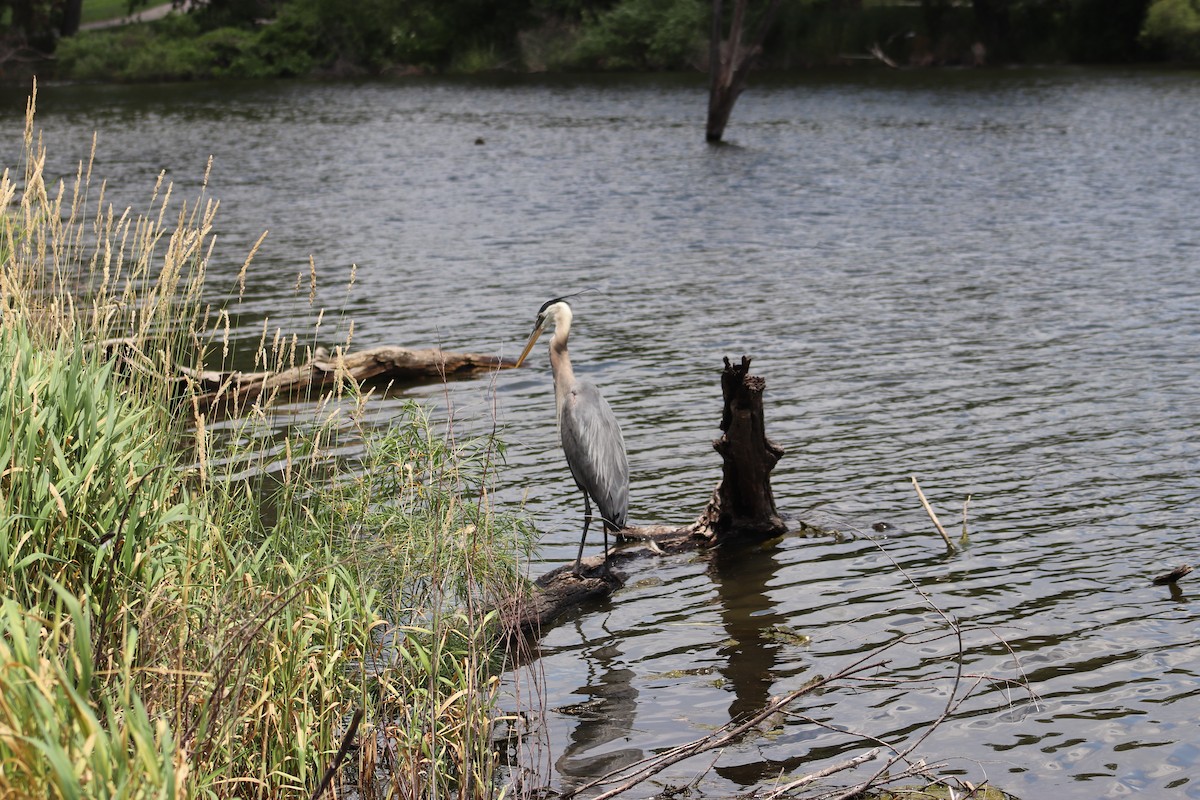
(587, 519)
(605, 527)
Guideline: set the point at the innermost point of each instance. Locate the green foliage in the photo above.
(230, 39)
(306, 36)
(233, 13)
(378, 34)
(167, 49)
(291, 45)
(177, 48)
(91, 517)
(1174, 25)
(88, 501)
(646, 34)
(64, 730)
(167, 632)
(422, 498)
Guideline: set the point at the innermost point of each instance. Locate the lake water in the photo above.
(989, 280)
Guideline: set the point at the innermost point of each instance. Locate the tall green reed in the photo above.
(185, 616)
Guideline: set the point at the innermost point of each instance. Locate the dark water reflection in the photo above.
(989, 280)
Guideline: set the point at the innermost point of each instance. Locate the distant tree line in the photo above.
(261, 38)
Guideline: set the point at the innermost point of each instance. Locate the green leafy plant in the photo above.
(193, 615)
(646, 34)
(1175, 26)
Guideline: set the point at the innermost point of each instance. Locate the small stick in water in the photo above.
(932, 516)
(965, 538)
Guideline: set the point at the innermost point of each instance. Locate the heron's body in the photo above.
(591, 437)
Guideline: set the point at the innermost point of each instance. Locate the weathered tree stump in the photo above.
(743, 505)
(742, 509)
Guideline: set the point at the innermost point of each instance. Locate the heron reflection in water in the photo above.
(591, 437)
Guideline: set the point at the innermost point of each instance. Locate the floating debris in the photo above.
(1173, 575)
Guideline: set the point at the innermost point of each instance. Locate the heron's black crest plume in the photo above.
(564, 299)
(549, 303)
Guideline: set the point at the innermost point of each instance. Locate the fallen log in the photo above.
(741, 510)
(324, 370)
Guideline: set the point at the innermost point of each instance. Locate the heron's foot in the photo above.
(601, 571)
(607, 574)
(577, 570)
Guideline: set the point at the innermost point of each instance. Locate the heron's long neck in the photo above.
(560, 361)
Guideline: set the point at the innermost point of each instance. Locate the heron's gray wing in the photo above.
(595, 450)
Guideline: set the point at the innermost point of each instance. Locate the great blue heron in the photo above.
(591, 437)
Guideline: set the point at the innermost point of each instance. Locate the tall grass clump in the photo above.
(183, 615)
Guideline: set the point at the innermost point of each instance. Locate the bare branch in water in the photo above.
(929, 510)
(899, 763)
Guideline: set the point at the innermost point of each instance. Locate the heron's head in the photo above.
(553, 312)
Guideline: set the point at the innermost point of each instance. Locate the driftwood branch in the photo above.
(633, 774)
(325, 370)
(865, 672)
(933, 517)
(877, 52)
(833, 769)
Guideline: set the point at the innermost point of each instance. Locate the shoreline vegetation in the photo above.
(201, 610)
(221, 39)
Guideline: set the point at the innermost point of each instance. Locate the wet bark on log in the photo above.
(232, 389)
(742, 509)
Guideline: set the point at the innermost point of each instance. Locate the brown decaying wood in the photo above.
(742, 509)
(324, 370)
(743, 505)
(1172, 576)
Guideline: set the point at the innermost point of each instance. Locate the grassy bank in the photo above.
(187, 616)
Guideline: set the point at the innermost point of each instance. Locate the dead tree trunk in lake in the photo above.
(742, 508)
(729, 61)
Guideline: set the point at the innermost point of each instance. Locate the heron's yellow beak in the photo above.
(533, 337)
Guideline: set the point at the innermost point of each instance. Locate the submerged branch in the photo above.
(833, 769)
(933, 517)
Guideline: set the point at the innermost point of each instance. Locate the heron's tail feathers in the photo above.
(608, 523)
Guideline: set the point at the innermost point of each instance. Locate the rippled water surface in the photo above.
(987, 280)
